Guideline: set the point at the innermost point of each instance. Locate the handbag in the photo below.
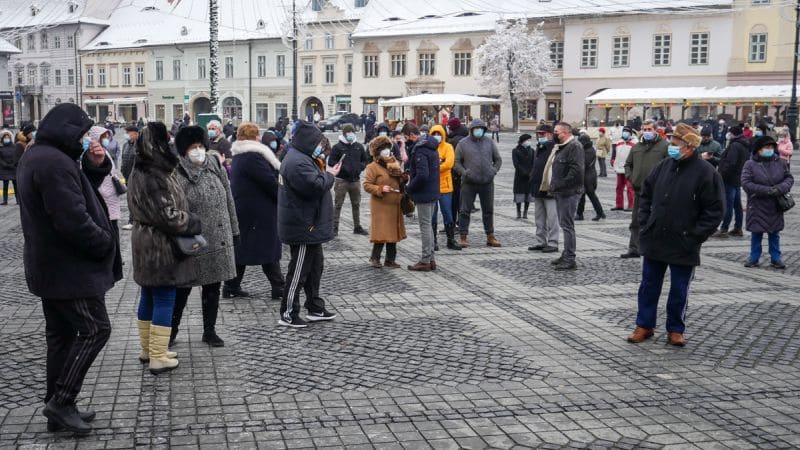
(407, 205)
(190, 245)
(119, 187)
(785, 201)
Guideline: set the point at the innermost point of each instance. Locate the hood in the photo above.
(63, 128)
(153, 147)
(245, 146)
(96, 132)
(4, 133)
(441, 130)
(306, 137)
(476, 123)
(378, 144)
(427, 142)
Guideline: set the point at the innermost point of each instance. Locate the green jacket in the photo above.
(644, 156)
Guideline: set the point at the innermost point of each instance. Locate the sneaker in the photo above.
(127, 226)
(320, 316)
(720, 234)
(557, 261)
(751, 263)
(536, 248)
(229, 292)
(548, 249)
(617, 208)
(629, 255)
(566, 265)
(295, 323)
(777, 264)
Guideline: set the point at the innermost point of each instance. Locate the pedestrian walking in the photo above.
(765, 178)
(354, 160)
(305, 222)
(423, 187)
(69, 255)
(447, 158)
(477, 161)
(603, 150)
(589, 181)
(160, 212)
(644, 156)
(544, 204)
(9, 160)
(619, 155)
(681, 204)
(730, 168)
(522, 156)
(383, 182)
(494, 127)
(208, 192)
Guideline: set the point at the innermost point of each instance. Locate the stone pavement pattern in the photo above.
(493, 350)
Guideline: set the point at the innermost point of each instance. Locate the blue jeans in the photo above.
(156, 304)
(446, 202)
(733, 204)
(650, 290)
(774, 240)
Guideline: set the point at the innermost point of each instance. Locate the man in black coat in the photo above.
(682, 202)
(305, 222)
(544, 204)
(730, 168)
(348, 183)
(69, 257)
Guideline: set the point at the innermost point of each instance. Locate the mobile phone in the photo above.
(342, 158)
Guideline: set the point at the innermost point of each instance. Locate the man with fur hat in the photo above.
(354, 159)
(305, 222)
(681, 204)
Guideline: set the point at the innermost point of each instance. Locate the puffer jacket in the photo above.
(644, 156)
(423, 183)
(477, 160)
(758, 176)
(305, 205)
(568, 168)
(447, 159)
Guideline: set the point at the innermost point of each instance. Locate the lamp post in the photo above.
(791, 112)
(294, 61)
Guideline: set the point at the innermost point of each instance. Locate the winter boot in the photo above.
(210, 304)
(435, 239)
(464, 243)
(491, 241)
(144, 341)
(525, 211)
(159, 361)
(451, 237)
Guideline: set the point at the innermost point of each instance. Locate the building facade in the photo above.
(114, 84)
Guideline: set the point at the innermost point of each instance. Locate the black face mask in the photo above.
(556, 139)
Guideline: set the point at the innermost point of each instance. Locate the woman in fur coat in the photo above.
(382, 181)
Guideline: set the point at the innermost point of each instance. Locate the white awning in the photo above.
(115, 101)
(439, 100)
(727, 94)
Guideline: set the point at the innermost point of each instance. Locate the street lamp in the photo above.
(791, 112)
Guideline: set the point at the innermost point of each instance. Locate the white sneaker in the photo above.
(320, 316)
(127, 226)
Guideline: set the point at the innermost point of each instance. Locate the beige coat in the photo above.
(386, 221)
(603, 146)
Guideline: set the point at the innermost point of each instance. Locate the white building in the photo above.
(6, 94)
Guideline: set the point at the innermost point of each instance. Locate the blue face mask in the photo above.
(674, 151)
(105, 142)
(758, 133)
(85, 143)
(767, 153)
(543, 140)
(33, 135)
(317, 152)
(273, 145)
(626, 135)
(438, 138)
(212, 134)
(478, 133)
(649, 135)
(351, 137)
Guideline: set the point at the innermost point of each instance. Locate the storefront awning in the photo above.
(692, 95)
(440, 100)
(115, 101)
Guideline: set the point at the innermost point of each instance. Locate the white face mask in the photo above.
(197, 155)
(385, 153)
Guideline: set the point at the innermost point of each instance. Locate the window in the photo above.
(140, 74)
(316, 5)
(177, 111)
(349, 40)
(32, 75)
(349, 69)
(758, 47)
(398, 65)
(161, 112)
(201, 69)
(45, 75)
(361, 3)
(622, 47)
(760, 2)
(229, 67)
(176, 69)
(330, 69)
(126, 75)
(70, 41)
(589, 53)
(262, 114)
(280, 66)
(45, 41)
(262, 66)
(56, 41)
(159, 70)
(557, 54)
(281, 110)
(698, 53)
(18, 43)
(370, 66)
(89, 76)
(463, 64)
(308, 74)
(309, 43)
(57, 77)
(31, 42)
(10, 78)
(101, 76)
(662, 49)
(329, 40)
(427, 63)
(71, 77)
(113, 75)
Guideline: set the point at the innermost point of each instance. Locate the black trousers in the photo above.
(76, 332)
(271, 270)
(5, 190)
(598, 207)
(305, 270)
(391, 250)
(209, 301)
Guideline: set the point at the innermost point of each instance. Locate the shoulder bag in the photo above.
(785, 201)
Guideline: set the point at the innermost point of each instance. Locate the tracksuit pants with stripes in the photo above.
(305, 272)
(76, 332)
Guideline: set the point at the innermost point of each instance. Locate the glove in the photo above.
(773, 192)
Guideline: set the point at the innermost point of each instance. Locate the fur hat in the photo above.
(378, 144)
(688, 134)
(762, 141)
(188, 136)
(306, 136)
(348, 128)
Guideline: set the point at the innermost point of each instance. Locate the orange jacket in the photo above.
(447, 158)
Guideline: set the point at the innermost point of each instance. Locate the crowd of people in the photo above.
(205, 203)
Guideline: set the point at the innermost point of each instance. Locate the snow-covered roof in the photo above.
(6, 47)
(439, 100)
(766, 93)
(414, 17)
(43, 13)
(142, 23)
(332, 10)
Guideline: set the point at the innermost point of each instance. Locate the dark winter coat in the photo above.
(159, 210)
(590, 171)
(423, 184)
(522, 157)
(9, 158)
(209, 194)
(98, 176)
(644, 156)
(254, 181)
(758, 176)
(732, 161)
(682, 203)
(305, 205)
(69, 243)
(354, 163)
(477, 160)
(568, 168)
(714, 149)
(537, 173)
(126, 158)
(221, 146)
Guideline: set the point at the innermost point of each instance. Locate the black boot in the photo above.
(525, 211)
(66, 416)
(87, 416)
(210, 303)
(519, 211)
(435, 238)
(451, 237)
(234, 291)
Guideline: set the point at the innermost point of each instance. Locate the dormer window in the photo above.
(72, 7)
(184, 31)
(360, 3)
(34, 10)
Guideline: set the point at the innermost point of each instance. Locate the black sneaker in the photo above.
(360, 231)
(751, 263)
(295, 323)
(228, 292)
(320, 316)
(777, 264)
(549, 249)
(557, 261)
(213, 340)
(536, 248)
(566, 265)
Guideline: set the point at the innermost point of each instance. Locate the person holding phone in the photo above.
(382, 181)
(352, 157)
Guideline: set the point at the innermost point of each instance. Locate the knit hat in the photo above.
(424, 129)
(628, 129)
(523, 138)
(189, 136)
(454, 123)
(306, 137)
(688, 134)
(348, 128)
(735, 130)
(602, 130)
(762, 141)
(706, 131)
(585, 140)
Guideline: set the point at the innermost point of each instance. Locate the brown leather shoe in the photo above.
(464, 243)
(640, 334)
(391, 264)
(421, 267)
(491, 241)
(676, 339)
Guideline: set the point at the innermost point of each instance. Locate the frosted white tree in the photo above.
(516, 60)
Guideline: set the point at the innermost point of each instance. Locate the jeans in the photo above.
(341, 188)
(566, 206)
(446, 203)
(650, 290)
(774, 240)
(733, 208)
(602, 163)
(486, 194)
(633, 243)
(425, 211)
(156, 304)
(623, 184)
(546, 219)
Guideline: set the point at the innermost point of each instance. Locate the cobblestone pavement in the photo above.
(493, 350)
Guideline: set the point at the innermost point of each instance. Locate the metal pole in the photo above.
(791, 112)
(294, 61)
(213, 56)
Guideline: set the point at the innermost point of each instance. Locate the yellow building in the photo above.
(763, 39)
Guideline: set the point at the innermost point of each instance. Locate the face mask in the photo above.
(649, 135)
(758, 133)
(197, 155)
(33, 135)
(423, 134)
(526, 144)
(6, 141)
(477, 133)
(768, 153)
(273, 145)
(728, 136)
(350, 137)
(105, 142)
(317, 152)
(543, 140)
(212, 134)
(385, 153)
(438, 138)
(85, 143)
(382, 133)
(674, 151)
(128, 138)
(626, 135)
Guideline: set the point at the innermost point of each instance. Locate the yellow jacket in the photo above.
(447, 159)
